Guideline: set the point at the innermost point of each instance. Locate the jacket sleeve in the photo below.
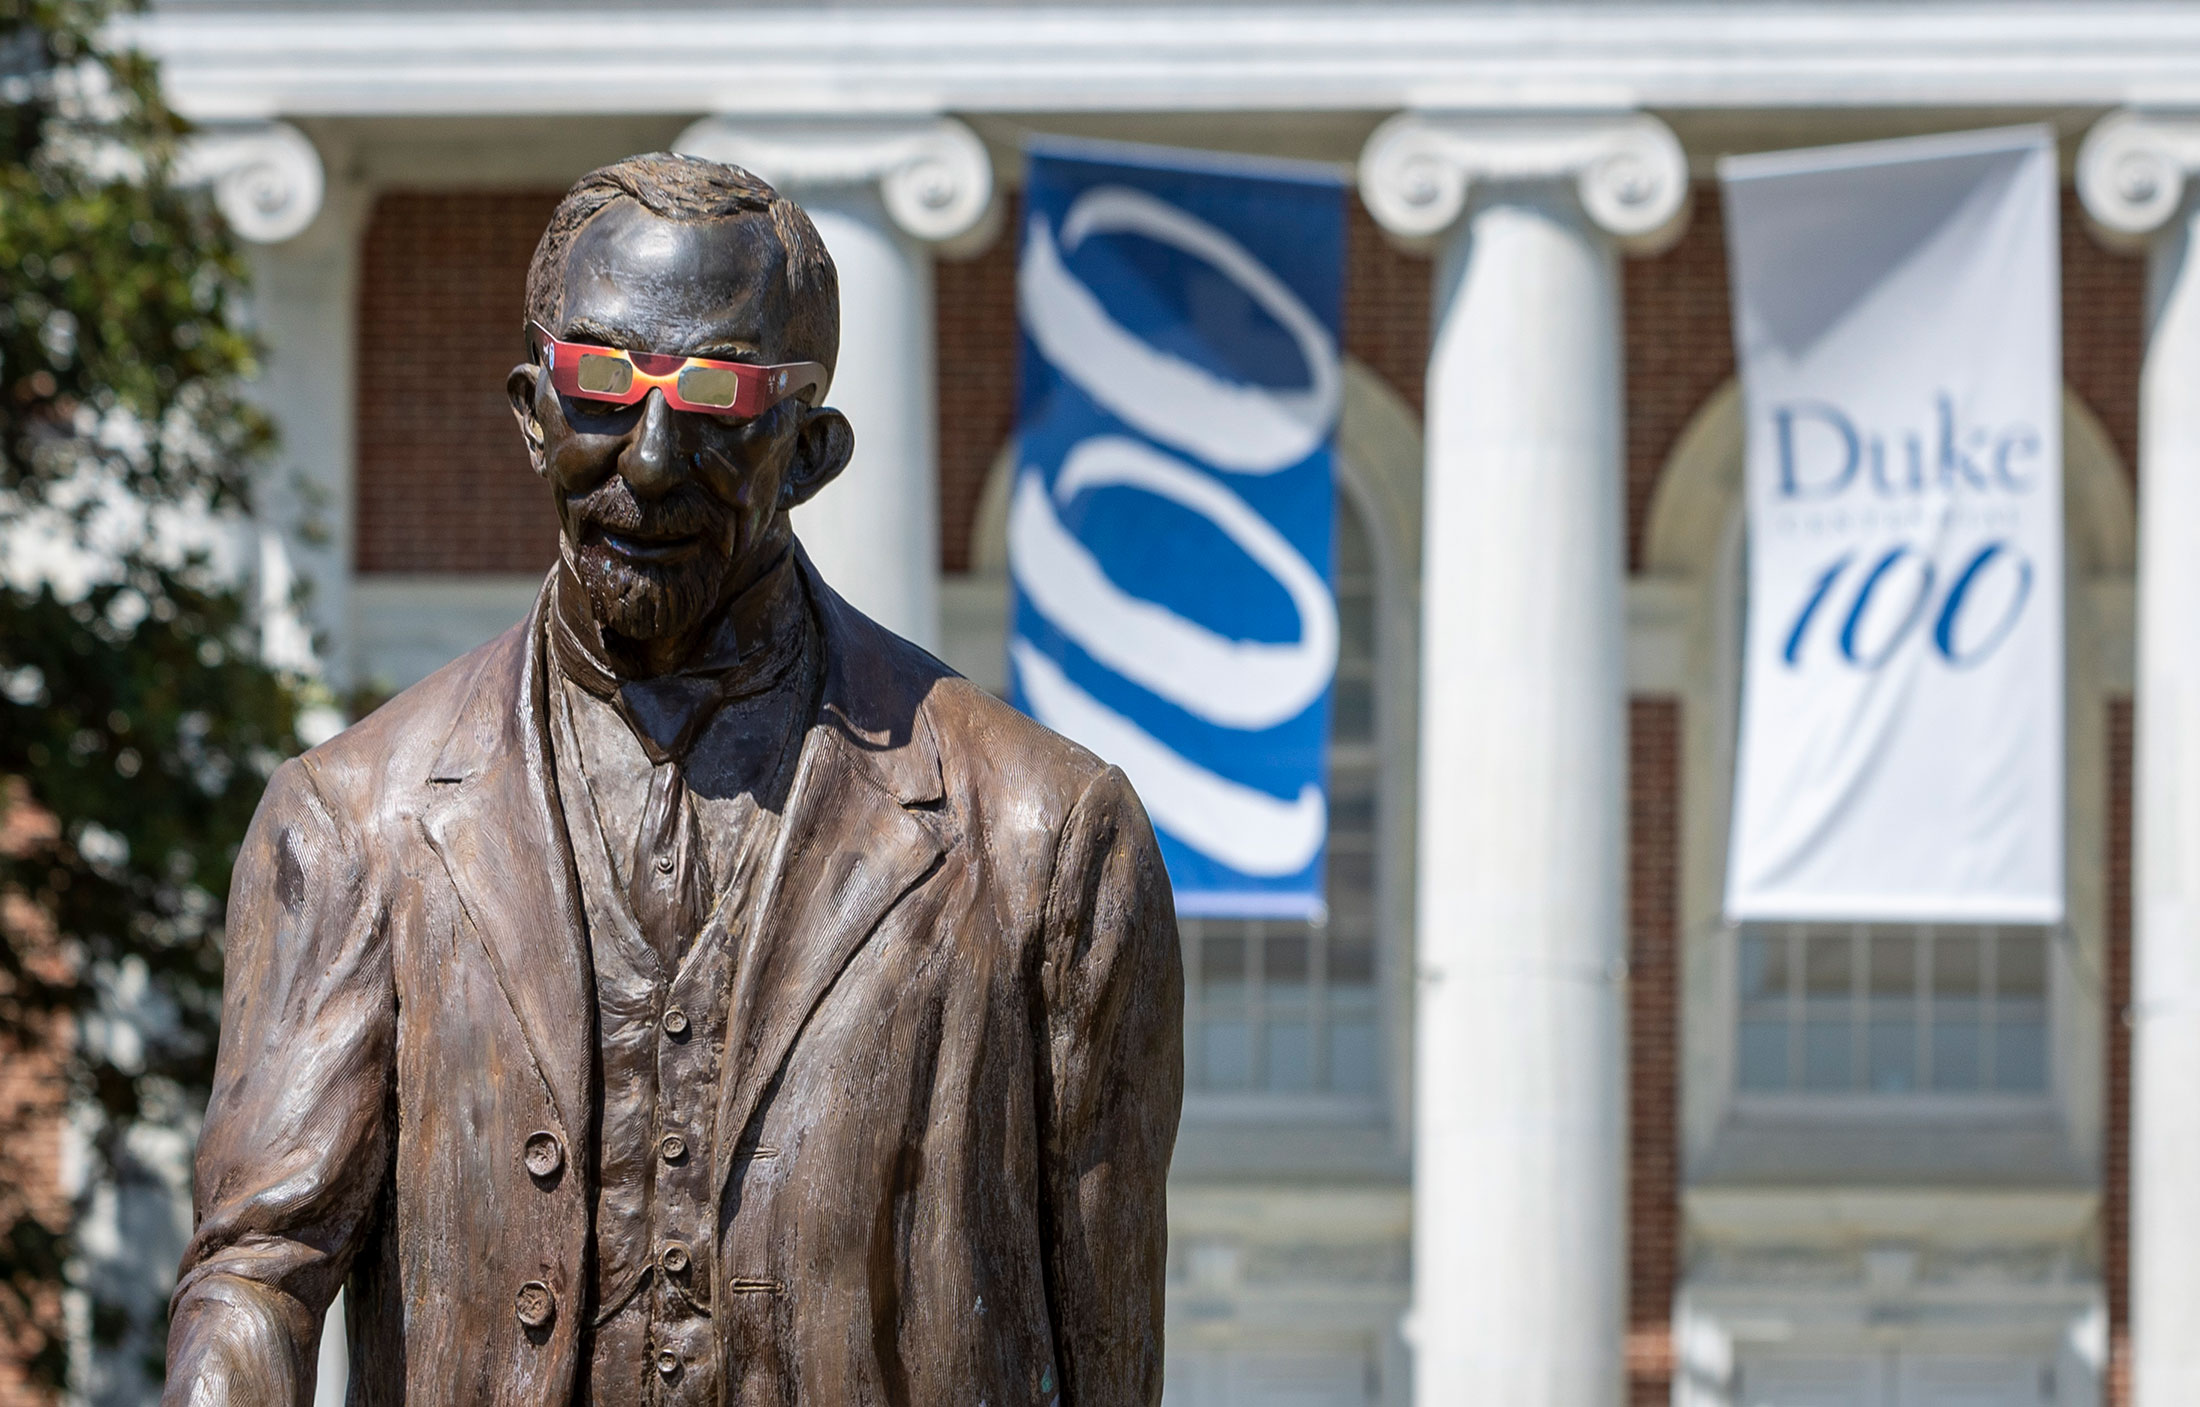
(1114, 987)
(295, 1149)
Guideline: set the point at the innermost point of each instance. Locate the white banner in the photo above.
(1897, 319)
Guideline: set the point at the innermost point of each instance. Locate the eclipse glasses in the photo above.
(617, 377)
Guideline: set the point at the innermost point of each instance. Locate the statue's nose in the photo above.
(648, 461)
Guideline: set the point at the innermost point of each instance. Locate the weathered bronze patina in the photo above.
(698, 994)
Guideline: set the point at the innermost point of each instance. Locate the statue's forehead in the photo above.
(674, 285)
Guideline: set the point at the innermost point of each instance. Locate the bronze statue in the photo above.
(697, 994)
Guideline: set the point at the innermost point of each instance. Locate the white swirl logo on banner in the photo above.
(1249, 429)
(1236, 683)
(1199, 422)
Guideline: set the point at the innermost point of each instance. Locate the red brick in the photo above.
(443, 480)
(975, 334)
(1653, 1017)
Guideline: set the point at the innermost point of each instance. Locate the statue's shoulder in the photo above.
(1000, 746)
(991, 755)
(391, 751)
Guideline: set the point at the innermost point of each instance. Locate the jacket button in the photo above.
(676, 1021)
(543, 1154)
(535, 1305)
(668, 1364)
(674, 1257)
(673, 1147)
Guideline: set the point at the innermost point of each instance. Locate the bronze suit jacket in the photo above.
(949, 1092)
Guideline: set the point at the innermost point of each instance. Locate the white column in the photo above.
(2133, 175)
(301, 243)
(881, 194)
(305, 300)
(1520, 1093)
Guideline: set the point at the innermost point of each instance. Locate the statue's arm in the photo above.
(1115, 1010)
(295, 1148)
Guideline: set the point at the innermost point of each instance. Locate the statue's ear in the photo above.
(822, 447)
(522, 386)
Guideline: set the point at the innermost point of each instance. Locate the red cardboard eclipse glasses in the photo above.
(613, 376)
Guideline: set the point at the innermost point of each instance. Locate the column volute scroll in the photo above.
(1419, 169)
(267, 177)
(2133, 172)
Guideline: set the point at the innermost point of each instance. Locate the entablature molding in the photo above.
(364, 59)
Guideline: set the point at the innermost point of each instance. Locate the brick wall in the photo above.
(1386, 306)
(443, 482)
(2104, 330)
(1654, 1037)
(1679, 341)
(976, 337)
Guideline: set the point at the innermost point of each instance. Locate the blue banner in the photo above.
(1171, 527)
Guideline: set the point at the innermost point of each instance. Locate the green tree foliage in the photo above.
(137, 725)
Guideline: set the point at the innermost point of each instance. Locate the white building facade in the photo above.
(1524, 1122)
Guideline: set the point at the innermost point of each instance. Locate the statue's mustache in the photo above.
(614, 507)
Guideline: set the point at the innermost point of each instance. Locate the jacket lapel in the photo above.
(860, 831)
(493, 818)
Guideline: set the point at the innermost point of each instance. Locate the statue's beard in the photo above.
(639, 599)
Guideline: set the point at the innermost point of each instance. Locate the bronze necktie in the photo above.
(666, 885)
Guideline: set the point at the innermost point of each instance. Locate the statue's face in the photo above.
(666, 514)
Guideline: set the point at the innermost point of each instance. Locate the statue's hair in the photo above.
(690, 189)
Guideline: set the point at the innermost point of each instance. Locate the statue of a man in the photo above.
(698, 994)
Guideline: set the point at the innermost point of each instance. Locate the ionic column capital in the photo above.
(267, 177)
(932, 173)
(1417, 170)
(2133, 170)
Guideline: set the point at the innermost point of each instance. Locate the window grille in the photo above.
(1285, 1007)
(1892, 1009)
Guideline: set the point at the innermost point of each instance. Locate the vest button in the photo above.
(535, 1304)
(673, 1147)
(674, 1257)
(668, 1363)
(544, 1155)
(676, 1021)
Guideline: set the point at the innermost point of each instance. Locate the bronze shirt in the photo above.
(671, 791)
